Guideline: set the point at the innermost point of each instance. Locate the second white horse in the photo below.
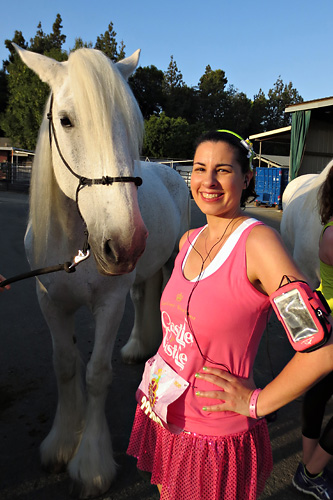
(300, 224)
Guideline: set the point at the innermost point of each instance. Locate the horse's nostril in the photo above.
(111, 252)
(107, 248)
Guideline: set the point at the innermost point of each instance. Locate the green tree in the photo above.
(236, 112)
(79, 44)
(258, 112)
(147, 86)
(212, 83)
(39, 43)
(280, 96)
(56, 38)
(179, 99)
(20, 41)
(107, 43)
(4, 95)
(27, 94)
(121, 51)
(182, 101)
(43, 43)
(173, 78)
(167, 137)
(212, 98)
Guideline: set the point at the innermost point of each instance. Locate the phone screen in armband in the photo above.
(295, 315)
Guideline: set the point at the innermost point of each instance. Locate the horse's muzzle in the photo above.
(117, 259)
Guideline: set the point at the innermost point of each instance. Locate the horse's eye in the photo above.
(65, 122)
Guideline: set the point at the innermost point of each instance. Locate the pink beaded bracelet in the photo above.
(253, 403)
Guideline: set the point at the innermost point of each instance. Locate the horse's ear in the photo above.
(127, 66)
(46, 68)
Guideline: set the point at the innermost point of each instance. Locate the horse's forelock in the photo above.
(102, 97)
(44, 190)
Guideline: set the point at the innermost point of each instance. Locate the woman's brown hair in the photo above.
(325, 198)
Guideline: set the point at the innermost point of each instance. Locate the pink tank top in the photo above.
(228, 316)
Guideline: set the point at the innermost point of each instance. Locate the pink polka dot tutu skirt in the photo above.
(197, 467)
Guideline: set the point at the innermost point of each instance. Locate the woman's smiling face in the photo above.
(217, 180)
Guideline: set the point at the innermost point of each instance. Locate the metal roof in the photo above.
(18, 151)
(274, 160)
(278, 132)
(315, 104)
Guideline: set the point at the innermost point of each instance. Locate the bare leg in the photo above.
(318, 461)
(309, 446)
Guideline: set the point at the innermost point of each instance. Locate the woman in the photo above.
(214, 310)
(311, 476)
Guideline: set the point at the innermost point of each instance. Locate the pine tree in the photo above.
(173, 78)
(107, 43)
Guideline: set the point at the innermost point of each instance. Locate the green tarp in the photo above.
(300, 121)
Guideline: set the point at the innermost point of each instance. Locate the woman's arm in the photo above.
(301, 373)
(326, 246)
(267, 263)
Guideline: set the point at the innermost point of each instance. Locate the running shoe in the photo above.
(319, 487)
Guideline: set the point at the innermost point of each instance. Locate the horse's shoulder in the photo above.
(301, 193)
(158, 175)
(157, 170)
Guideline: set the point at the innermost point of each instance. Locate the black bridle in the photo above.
(83, 254)
(84, 181)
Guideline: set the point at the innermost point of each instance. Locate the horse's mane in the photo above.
(101, 97)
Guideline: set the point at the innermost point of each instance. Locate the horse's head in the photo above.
(96, 133)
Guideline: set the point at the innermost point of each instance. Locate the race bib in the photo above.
(160, 386)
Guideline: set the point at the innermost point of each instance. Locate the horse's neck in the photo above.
(65, 219)
(322, 176)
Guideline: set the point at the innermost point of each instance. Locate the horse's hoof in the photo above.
(54, 468)
(133, 352)
(82, 492)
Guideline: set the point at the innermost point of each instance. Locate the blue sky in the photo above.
(253, 42)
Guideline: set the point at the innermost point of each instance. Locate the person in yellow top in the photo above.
(311, 476)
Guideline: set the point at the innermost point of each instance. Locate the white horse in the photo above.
(300, 224)
(86, 180)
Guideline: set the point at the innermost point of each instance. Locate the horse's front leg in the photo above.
(93, 468)
(146, 334)
(61, 443)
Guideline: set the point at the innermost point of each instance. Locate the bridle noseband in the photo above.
(84, 181)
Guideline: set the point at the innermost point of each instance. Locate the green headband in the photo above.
(246, 143)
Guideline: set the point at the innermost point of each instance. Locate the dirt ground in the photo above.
(28, 390)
